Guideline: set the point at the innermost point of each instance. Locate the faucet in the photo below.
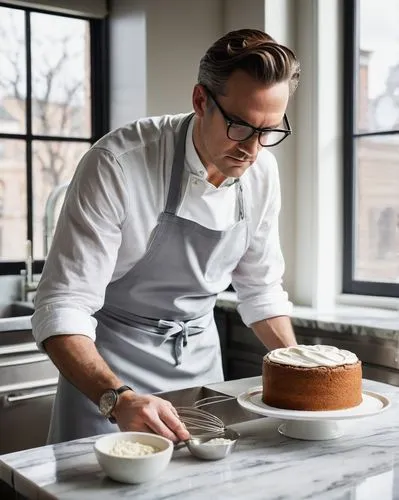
(49, 218)
(27, 283)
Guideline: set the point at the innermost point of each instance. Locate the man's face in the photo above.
(245, 100)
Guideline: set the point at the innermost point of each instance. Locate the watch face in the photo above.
(107, 402)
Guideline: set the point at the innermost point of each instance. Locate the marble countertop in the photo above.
(363, 464)
(379, 323)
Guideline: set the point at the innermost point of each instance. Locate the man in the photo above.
(160, 216)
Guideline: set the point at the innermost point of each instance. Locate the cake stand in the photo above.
(313, 425)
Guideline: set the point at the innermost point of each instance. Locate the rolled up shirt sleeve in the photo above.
(259, 275)
(84, 251)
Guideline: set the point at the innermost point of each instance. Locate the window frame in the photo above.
(350, 135)
(100, 110)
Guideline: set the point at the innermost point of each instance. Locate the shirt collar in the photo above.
(193, 162)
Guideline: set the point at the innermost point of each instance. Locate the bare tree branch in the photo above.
(13, 57)
(55, 91)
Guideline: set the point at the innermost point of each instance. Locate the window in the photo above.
(371, 148)
(53, 106)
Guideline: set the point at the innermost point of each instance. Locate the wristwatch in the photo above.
(109, 399)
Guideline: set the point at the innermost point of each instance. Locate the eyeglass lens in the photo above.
(237, 132)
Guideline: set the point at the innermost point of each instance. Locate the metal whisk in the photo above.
(211, 400)
(199, 422)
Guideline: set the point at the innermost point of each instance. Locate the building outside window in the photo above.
(371, 148)
(53, 106)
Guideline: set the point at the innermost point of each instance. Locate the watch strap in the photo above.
(118, 391)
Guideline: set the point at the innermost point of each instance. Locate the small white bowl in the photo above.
(135, 469)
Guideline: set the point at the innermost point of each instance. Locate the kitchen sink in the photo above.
(15, 316)
(16, 309)
(228, 410)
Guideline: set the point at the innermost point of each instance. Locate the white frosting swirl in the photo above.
(311, 356)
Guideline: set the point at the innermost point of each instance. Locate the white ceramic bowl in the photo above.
(136, 469)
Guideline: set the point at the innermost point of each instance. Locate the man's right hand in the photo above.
(147, 413)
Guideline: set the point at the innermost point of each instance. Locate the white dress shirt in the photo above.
(111, 208)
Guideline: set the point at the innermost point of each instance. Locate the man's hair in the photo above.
(252, 51)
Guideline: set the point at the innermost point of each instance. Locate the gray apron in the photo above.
(156, 329)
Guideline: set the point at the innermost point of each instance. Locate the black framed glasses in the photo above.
(240, 131)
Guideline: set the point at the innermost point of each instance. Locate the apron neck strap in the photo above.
(177, 173)
(240, 197)
(177, 168)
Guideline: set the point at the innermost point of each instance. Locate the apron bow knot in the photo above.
(180, 330)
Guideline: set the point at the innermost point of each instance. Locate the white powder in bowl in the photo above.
(219, 441)
(132, 449)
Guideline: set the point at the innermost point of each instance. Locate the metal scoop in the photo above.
(210, 438)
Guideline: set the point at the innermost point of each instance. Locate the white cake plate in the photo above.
(313, 425)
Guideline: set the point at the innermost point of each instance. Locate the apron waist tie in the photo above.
(181, 331)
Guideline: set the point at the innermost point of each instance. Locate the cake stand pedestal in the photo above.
(313, 425)
(311, 430)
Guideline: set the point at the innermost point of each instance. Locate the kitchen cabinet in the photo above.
(242, 352)
(28, 381)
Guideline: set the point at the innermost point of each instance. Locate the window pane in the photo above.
(378, 77)
(377, 209)
(53, 165)
(13, 227)
(12, 71)
(60, 76)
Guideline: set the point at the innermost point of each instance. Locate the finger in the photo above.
(160, 428)
(168, 404)
(174, 423)
(174, 411)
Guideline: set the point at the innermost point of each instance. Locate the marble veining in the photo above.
(363, 464)
(358, 321)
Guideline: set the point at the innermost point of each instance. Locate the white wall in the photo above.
(238, 14)
(178, 34)
(128, 61)
(156, 46)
